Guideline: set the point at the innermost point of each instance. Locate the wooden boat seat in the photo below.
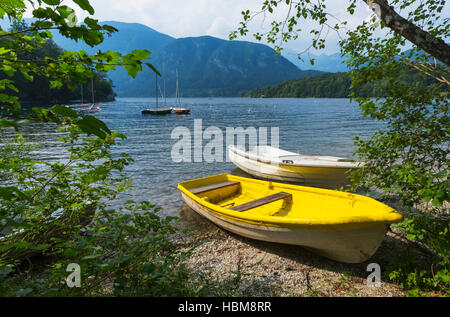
(262, 201)
(207, 188)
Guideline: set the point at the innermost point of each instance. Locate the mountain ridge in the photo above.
(331, 63)
(208, 66)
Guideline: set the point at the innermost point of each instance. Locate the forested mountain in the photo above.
(210, 66)
(207, 66)
(38, 90)
(337, 85)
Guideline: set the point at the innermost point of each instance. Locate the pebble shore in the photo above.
(270, 269)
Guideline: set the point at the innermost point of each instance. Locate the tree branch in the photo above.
(422, 39)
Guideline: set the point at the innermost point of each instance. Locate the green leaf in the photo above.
(91, 257)
(149, 268)
(52, 2)
(132, 70)
(56, 84)
(9, 192)
(141, 54)
(85, 5)
(64, 111)
(24, 292)
(92, 125)
(22, 244)
(41, 247)
(8, 123)
(153, 68)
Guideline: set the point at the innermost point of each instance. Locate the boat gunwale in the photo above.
(276, 221)
(312, 164)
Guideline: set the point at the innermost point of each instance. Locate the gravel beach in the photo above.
(270, 269)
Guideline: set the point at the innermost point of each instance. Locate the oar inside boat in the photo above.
(207, 188)
(341, 226)
(263, 201)
(233, 188)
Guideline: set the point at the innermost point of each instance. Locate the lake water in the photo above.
(307, 126)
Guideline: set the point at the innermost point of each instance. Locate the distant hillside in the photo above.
(335, 85)
(333, 63)
(210, 66)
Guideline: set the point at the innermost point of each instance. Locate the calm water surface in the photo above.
(307, 126)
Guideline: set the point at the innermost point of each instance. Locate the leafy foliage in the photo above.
(33, 88)
(409, 160)
(69, 68)
(53, 214)
(58, 212)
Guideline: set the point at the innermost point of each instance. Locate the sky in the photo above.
(185, 18)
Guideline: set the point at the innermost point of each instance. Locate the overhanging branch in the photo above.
(422, 39)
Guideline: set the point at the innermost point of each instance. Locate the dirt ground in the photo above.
(270, 269)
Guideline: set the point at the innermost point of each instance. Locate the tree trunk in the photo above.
(424, 40)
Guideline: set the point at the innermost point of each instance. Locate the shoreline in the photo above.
(271, 269)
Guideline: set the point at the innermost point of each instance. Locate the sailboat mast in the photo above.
(92, 89)
(156, 90)
(177, 92)
(164, 72)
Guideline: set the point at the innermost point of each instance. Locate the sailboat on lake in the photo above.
(93, 107)
(157, 110)
(81, 104)
(178, 108)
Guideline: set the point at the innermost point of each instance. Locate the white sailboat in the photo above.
(157, 110)
(93, 107)
(178, 108)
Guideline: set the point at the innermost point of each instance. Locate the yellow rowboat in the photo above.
(341, 226)
(271, 163)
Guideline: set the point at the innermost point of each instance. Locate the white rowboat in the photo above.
(271, 163)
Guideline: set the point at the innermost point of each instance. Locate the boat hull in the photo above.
(349, 245)
(342, 226)
(162, 111)
(79, 105)
(93, 109)
(182, 111)
(323, 177)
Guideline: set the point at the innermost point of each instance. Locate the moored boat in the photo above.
(178, 109)
(341, 226)
(181, 111)
(157, 110)
(271, 163)
(93, 108)
(78, 105)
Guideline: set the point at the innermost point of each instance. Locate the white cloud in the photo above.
(184, 18)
